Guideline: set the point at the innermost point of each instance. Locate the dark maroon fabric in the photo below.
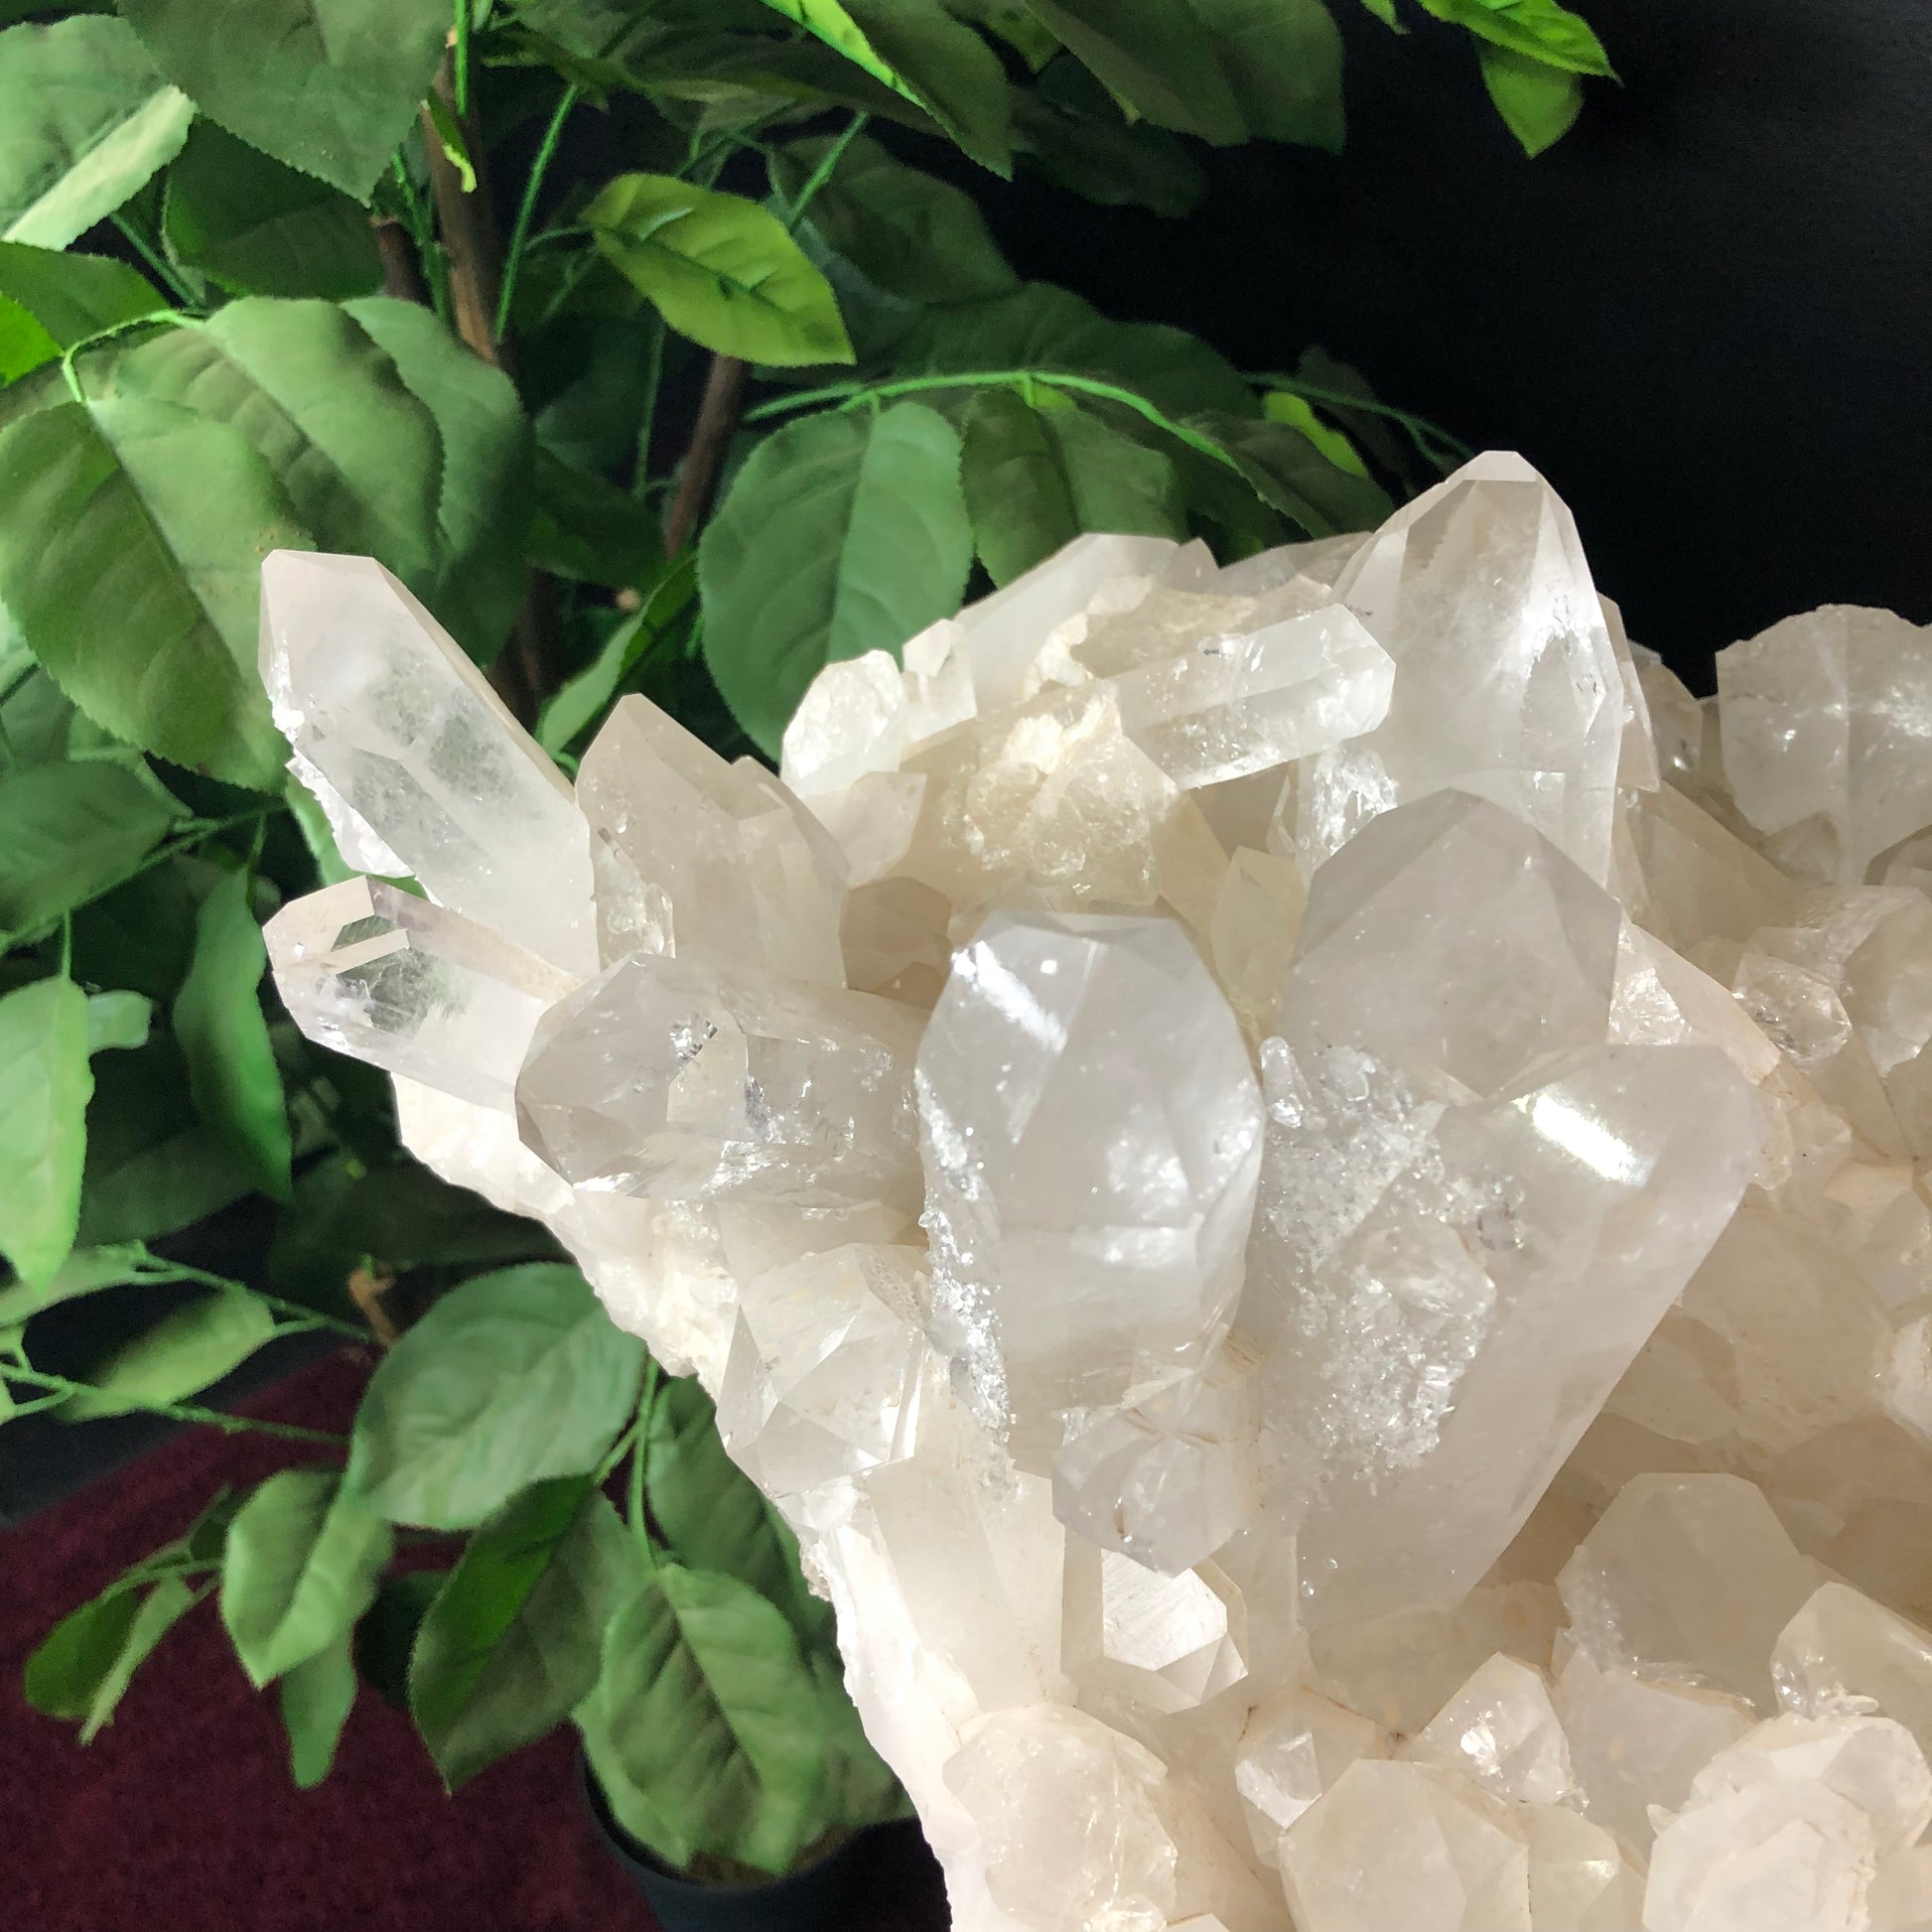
(182, 1813)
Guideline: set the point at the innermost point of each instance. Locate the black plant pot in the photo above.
(808, 1901)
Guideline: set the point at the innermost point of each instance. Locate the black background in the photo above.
(1703, 314)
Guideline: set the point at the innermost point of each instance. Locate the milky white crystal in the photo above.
(1829, 716)
(1407, 1848)
(1307, 1182)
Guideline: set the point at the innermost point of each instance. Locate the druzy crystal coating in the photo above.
(1305, 1182)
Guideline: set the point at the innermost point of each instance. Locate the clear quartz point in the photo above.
(376, 695)
(1506, 683)
(1073, 1260)
(371, 970)
(704, 859)
(675, 1078)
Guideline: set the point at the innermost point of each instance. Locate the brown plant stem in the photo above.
(403, 273)
(466, 224)
(710, 440)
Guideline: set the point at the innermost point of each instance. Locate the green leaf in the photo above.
(390, 1221)
(71, 1663)
(85, 122)
(50, 301)
(45, 1085)
(841, 534)
(484, 509)
(715, 1517)
(1283, 406)
(719, 269)
(1384, 11)
(574, 706)
(859, 1787)
(912, 233)
(83, 1666)
(947, 69)
(512, 1644)
(704, 1729)
(590, 531)
(1078, 138)
(304, 1557)
(152, 1167)
(217, 1019)
(1153, 56)
(1539, 30)
(1037, 477)
(511, 1378)
(329, 86)
(117, 1019)
(1539, 104)
(141, 934)
(68, 833)
(316, 1697)
(177, 1357)
(388, 1634)
(918, 49)
(1291, 475)
(253, 226)
(358, 455)
(1014, 25)
(1228, 71)
(130, 557)
(1047, 328)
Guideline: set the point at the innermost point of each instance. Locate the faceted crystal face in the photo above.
(1486, 571)
(1452, 940)
(1293, 1747)
(1170, 1480)
(702, 859)
(1407, 1848)
(1844, 1652)
(1687, 1577)
(825, 1369)
(1230, 705)
(378, 698)
(667, 1077)
(1069, 1811)
(1581, 1879)
(1829, 714)
(1087, 1209)
(1638, 1741)
(1502, 1730)
(1162, 1643)
(1783, 1830)
(368, 969)
(1511, 1263)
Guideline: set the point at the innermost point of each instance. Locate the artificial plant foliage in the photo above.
(353, 275)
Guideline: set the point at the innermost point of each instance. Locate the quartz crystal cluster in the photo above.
(1307, 1181)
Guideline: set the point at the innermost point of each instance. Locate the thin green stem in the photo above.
(155, 261)
(648, 421)
(526, 209)
(192, 1412)
(67, 945)
(827, 167)
(635, 1504)
(460, 64)
(850, 395)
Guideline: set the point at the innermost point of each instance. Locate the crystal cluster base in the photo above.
(1307, 1181)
